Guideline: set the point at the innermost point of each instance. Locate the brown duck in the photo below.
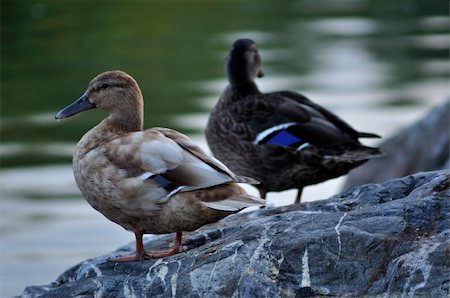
(282, 139)
(152, 181)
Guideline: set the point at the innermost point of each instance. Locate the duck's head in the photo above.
(113, 91)
(243, 63)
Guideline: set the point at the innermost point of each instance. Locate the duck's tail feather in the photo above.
(244, 179)
(360, 154)
(236, 203)
(368, 135)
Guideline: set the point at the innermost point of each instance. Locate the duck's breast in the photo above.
(118, 193)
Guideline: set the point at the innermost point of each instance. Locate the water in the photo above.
(378, 64)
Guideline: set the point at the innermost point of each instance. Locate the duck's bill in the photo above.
(80, 105)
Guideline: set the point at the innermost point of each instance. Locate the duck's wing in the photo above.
(333, 118)
(187, 144)
(160, 157)
(276, 119)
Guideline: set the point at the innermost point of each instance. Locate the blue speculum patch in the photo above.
(284, 138)
(164, 183)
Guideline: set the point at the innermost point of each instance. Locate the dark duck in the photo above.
(282, 139)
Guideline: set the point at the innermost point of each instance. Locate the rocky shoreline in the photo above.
(383, 239)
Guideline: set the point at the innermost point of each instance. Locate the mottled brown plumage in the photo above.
(282, 139)
(153, 181)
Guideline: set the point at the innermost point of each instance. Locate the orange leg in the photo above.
(141, 254)
(176, 248)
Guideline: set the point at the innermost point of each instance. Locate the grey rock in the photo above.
(422, 146)
(379, 240)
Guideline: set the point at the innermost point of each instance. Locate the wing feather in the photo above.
(235, 203)
(169, 160)
(187, 144)
(293, 119)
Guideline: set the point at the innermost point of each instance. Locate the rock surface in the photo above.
(422, 146)
(384, 240)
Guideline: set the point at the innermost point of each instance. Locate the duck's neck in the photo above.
(108, 130)
(233, 93)
(126, 121)
(238, 91)
(244, 89)
(240, 80)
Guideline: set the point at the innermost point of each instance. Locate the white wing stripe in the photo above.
(303, 146)
(268, 131)
(179, 188)
(145, 176)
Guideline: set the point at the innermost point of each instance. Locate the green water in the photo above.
(50, 50)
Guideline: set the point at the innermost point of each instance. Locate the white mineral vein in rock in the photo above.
(239, 244)
(174, 279)
(257, 252)
(306, 278)
(253, 258)
(215, 264)
(96, 269)
(99, 292)
(236, 245)
(86, 266)
(414, 263)
(336, 228)
(162, 272)
(150, 275)
(128, 290)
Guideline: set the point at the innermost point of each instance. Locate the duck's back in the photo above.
(260, 112)
(282, 139)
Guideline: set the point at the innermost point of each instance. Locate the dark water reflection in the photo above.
(378, 63)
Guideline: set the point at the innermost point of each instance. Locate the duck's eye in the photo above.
(104, 86)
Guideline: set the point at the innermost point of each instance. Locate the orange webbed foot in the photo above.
(156, 254)
(141, 254)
